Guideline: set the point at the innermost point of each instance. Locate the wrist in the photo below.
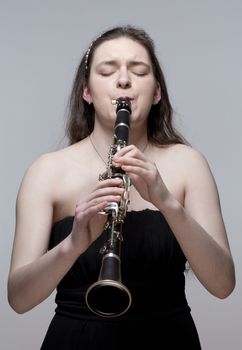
(170, 206)
(69, 250)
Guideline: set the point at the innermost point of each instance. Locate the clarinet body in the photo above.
(108, 296)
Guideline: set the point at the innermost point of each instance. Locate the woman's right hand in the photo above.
(88, 223)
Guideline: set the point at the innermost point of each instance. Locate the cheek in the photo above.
(99, 87)
(149, 86)
(148, 92)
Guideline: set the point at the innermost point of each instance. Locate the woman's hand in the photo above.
(88, 224)
(143, 173)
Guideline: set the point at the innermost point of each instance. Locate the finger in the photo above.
(102, 192)
(132, 169)
(147, 174)
(108, 183)
(133, 155)
(128, 151)
(92, 202)
(87, 213)
(136, 163)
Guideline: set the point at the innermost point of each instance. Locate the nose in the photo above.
(124, 81)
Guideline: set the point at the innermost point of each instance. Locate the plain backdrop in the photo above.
(199, 44)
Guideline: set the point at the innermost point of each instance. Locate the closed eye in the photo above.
(106, 74)
(140, 69)
(140, 74)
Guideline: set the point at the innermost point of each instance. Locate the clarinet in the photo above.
(108, 296)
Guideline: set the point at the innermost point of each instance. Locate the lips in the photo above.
(126, 97)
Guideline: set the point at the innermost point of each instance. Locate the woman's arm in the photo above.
(35, 272)
(199, 227)
(197, 223)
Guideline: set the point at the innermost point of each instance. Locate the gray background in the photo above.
(199, 46)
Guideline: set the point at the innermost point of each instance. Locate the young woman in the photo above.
(173, 218)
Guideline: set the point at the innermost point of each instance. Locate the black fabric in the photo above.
(152, 266)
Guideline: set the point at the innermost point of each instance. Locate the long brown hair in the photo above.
(80, 123)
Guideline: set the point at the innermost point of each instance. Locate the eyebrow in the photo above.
(130, 63)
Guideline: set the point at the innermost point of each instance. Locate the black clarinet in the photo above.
(108, 296)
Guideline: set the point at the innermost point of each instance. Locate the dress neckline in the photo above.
(129, 212)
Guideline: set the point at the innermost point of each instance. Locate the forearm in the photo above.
(30, 284)
(210, 262)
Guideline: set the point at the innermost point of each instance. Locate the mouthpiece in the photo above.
(122, 101)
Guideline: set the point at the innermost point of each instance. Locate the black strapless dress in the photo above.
(153, 267)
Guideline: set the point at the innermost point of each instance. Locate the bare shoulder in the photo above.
(185, 152)
(43, 173)
(193, 166)
(42, 168)
(180, 157)
(183, 166)
(57, 180)
(186, 158)
(52, 164)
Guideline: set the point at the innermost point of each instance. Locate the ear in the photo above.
(157, 94)
(86, 95)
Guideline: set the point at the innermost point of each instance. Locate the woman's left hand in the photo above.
(143, 173)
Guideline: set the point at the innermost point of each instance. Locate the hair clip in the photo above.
(87, 56)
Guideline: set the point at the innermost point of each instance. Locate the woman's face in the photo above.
(121, 68)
